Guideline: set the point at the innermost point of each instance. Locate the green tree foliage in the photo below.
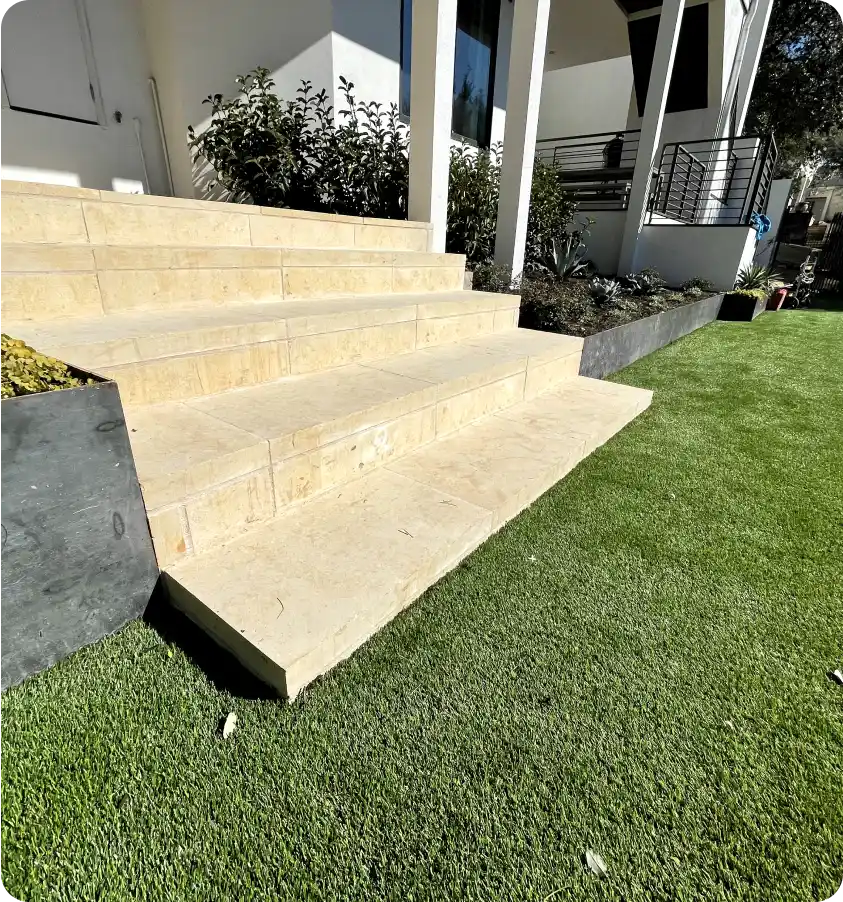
(799, 89)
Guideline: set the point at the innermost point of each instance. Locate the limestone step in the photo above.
(47, 282)
(212, 467)
(402, 322)
(298, 595)
(42, 214)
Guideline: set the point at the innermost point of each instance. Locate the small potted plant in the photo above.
(750, 295)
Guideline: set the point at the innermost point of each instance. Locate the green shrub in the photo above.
(299, 154)
(758, 294)
(697, 284)
(473, 203)
(26, 372)
(493, 277)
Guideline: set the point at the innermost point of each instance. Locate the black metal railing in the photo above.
(597, 168)
(714, 182)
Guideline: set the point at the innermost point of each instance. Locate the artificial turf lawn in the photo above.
(637, 665)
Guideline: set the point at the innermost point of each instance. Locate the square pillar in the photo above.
(760, 11)
(431, 108)
(649, 143)
(526, 70)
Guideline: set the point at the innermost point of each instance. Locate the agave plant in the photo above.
(604, 291)
(648, 281)
(754, 277)
(567, 255)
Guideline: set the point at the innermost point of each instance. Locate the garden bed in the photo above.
(77, 557)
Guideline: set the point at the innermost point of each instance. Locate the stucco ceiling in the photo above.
(585, 31)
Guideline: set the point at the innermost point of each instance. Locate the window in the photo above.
(474, 67)
(689, 85)
(45, 63)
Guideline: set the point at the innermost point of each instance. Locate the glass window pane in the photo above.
(474, 66)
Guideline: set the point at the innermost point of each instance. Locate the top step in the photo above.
(34, 213)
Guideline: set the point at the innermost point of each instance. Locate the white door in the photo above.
(45, 68)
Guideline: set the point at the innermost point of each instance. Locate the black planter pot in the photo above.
(741, 308)
(77, 557)
(607, 352)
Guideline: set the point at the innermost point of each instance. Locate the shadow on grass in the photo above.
(833, 302)
(221, 668)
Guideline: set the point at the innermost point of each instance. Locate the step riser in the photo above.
(75, 216)
(180, 378)
(291, 473)
(44, 296)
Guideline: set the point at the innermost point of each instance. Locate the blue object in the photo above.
(761, 224)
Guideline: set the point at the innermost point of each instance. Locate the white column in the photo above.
(651, 130)
(431, 107)
(526, 69)
(761, 11)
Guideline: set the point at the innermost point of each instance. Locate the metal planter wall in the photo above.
(77, 558)
(607, 352)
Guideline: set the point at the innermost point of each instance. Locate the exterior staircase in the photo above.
(324, 422)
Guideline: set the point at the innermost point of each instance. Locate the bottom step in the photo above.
(295, 597)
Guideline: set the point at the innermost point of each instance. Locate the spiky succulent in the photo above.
(604, 291)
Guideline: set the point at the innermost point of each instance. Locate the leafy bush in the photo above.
(757, 294)
(298, 154)
(26, 372)
(473, 203)
(756, 277)
(493, 277)
(703, 286)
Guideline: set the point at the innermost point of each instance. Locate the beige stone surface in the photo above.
(506, 318)
(317, 352)
(390, 237)
(10, 186)
(225, 512)
(543, 376)
(460, 410)
(300, 477)
(440, 330)
(447, 304)
(302, 610)
(336, 569)
(195, 375)
(186, 257)
(288, 231)
(427, 278)
(288, 213)
(323, 281)
(143, 224)
(301, 413)
(454, 368)
(170, 535)
(136, 290)
(40, 296)
(47, 258)
(180, 451)
(35, 218)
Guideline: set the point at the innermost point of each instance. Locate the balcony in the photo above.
(597, 169)
(714, 182)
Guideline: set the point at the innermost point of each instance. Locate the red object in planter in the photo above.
(777, 299)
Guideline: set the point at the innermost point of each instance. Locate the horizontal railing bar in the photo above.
(633, 131)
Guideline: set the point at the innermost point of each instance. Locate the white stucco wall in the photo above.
(776, 206)
(584, 100)
(681, 252)
(604, 243)
(47, 149)
(197, 49)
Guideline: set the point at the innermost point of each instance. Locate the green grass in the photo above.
(637, 665)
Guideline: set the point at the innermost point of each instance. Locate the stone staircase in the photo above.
(324, 423)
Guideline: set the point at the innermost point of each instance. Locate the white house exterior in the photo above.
(99, 93)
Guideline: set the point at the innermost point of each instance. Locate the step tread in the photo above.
(244, 427)
(293, 317)
(294, 597)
